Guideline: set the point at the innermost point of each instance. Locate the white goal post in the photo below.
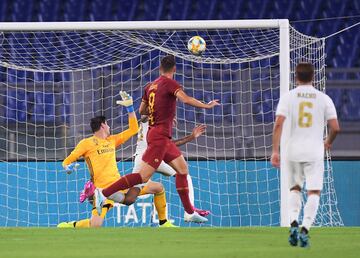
(143, 25)
(247, 63)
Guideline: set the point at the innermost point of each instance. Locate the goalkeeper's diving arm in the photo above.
(69, 164)
(127, 102)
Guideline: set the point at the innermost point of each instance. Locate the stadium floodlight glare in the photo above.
(56, 76)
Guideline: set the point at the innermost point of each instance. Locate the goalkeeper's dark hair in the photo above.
(95, 123)
(304, 72)
(167, 63)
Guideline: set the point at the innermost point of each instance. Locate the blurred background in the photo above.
(341, 50)
(311, 17)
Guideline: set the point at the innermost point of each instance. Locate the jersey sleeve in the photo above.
(174, 87)
(122, 137)
(145, 97)
(283, 106)
(330, 111)
(78, 152)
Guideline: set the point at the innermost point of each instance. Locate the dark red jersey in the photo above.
(161, 100)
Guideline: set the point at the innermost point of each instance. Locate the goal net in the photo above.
(53, 81)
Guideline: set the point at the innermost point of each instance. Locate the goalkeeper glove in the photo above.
(71, 167)
(126, 101)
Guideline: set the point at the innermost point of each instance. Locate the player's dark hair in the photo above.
(167, 63)
(95, 123)
(304, 72)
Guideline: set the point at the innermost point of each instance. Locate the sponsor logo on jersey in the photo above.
(103, 151)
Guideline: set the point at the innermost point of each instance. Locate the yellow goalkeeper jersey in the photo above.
(99, 155)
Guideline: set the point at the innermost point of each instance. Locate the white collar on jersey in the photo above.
(304, 85)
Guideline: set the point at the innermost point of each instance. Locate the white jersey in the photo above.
(141, 147)
(141, 144)
(307, 110)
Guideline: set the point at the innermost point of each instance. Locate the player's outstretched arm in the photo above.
(181, 95)
(196, 132)
(275, 156)
(69, 164)
(71, 167)
(127, 102)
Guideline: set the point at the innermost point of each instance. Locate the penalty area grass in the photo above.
(175, 242)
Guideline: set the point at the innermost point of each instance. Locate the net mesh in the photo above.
(53, 83)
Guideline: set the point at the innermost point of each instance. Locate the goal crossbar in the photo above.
(142, 25)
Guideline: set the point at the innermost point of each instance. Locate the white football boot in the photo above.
(195, 217)
(99, 200)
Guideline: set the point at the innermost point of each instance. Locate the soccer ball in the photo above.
(196, 45)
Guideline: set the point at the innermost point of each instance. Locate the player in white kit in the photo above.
(303, 112)
(164, 168)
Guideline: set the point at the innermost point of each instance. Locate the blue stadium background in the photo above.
(343, 52)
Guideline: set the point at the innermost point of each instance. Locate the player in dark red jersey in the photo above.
(159, 103)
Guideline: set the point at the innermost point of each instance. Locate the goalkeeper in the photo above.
(99, 154)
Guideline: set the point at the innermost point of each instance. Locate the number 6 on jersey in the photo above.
(305, 118)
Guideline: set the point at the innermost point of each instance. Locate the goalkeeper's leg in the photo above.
(150, 161)
(123, 183)
(158, 190)
(96, 220)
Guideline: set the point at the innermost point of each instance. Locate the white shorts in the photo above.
(164, 168)
(312, 173)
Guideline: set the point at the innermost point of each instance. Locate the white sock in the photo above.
(310, 210)
(117, 197)
(294, 205)
(191, 190)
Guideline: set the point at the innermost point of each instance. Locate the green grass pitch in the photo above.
(180, 242)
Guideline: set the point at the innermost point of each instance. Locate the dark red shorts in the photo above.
(160, 148)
